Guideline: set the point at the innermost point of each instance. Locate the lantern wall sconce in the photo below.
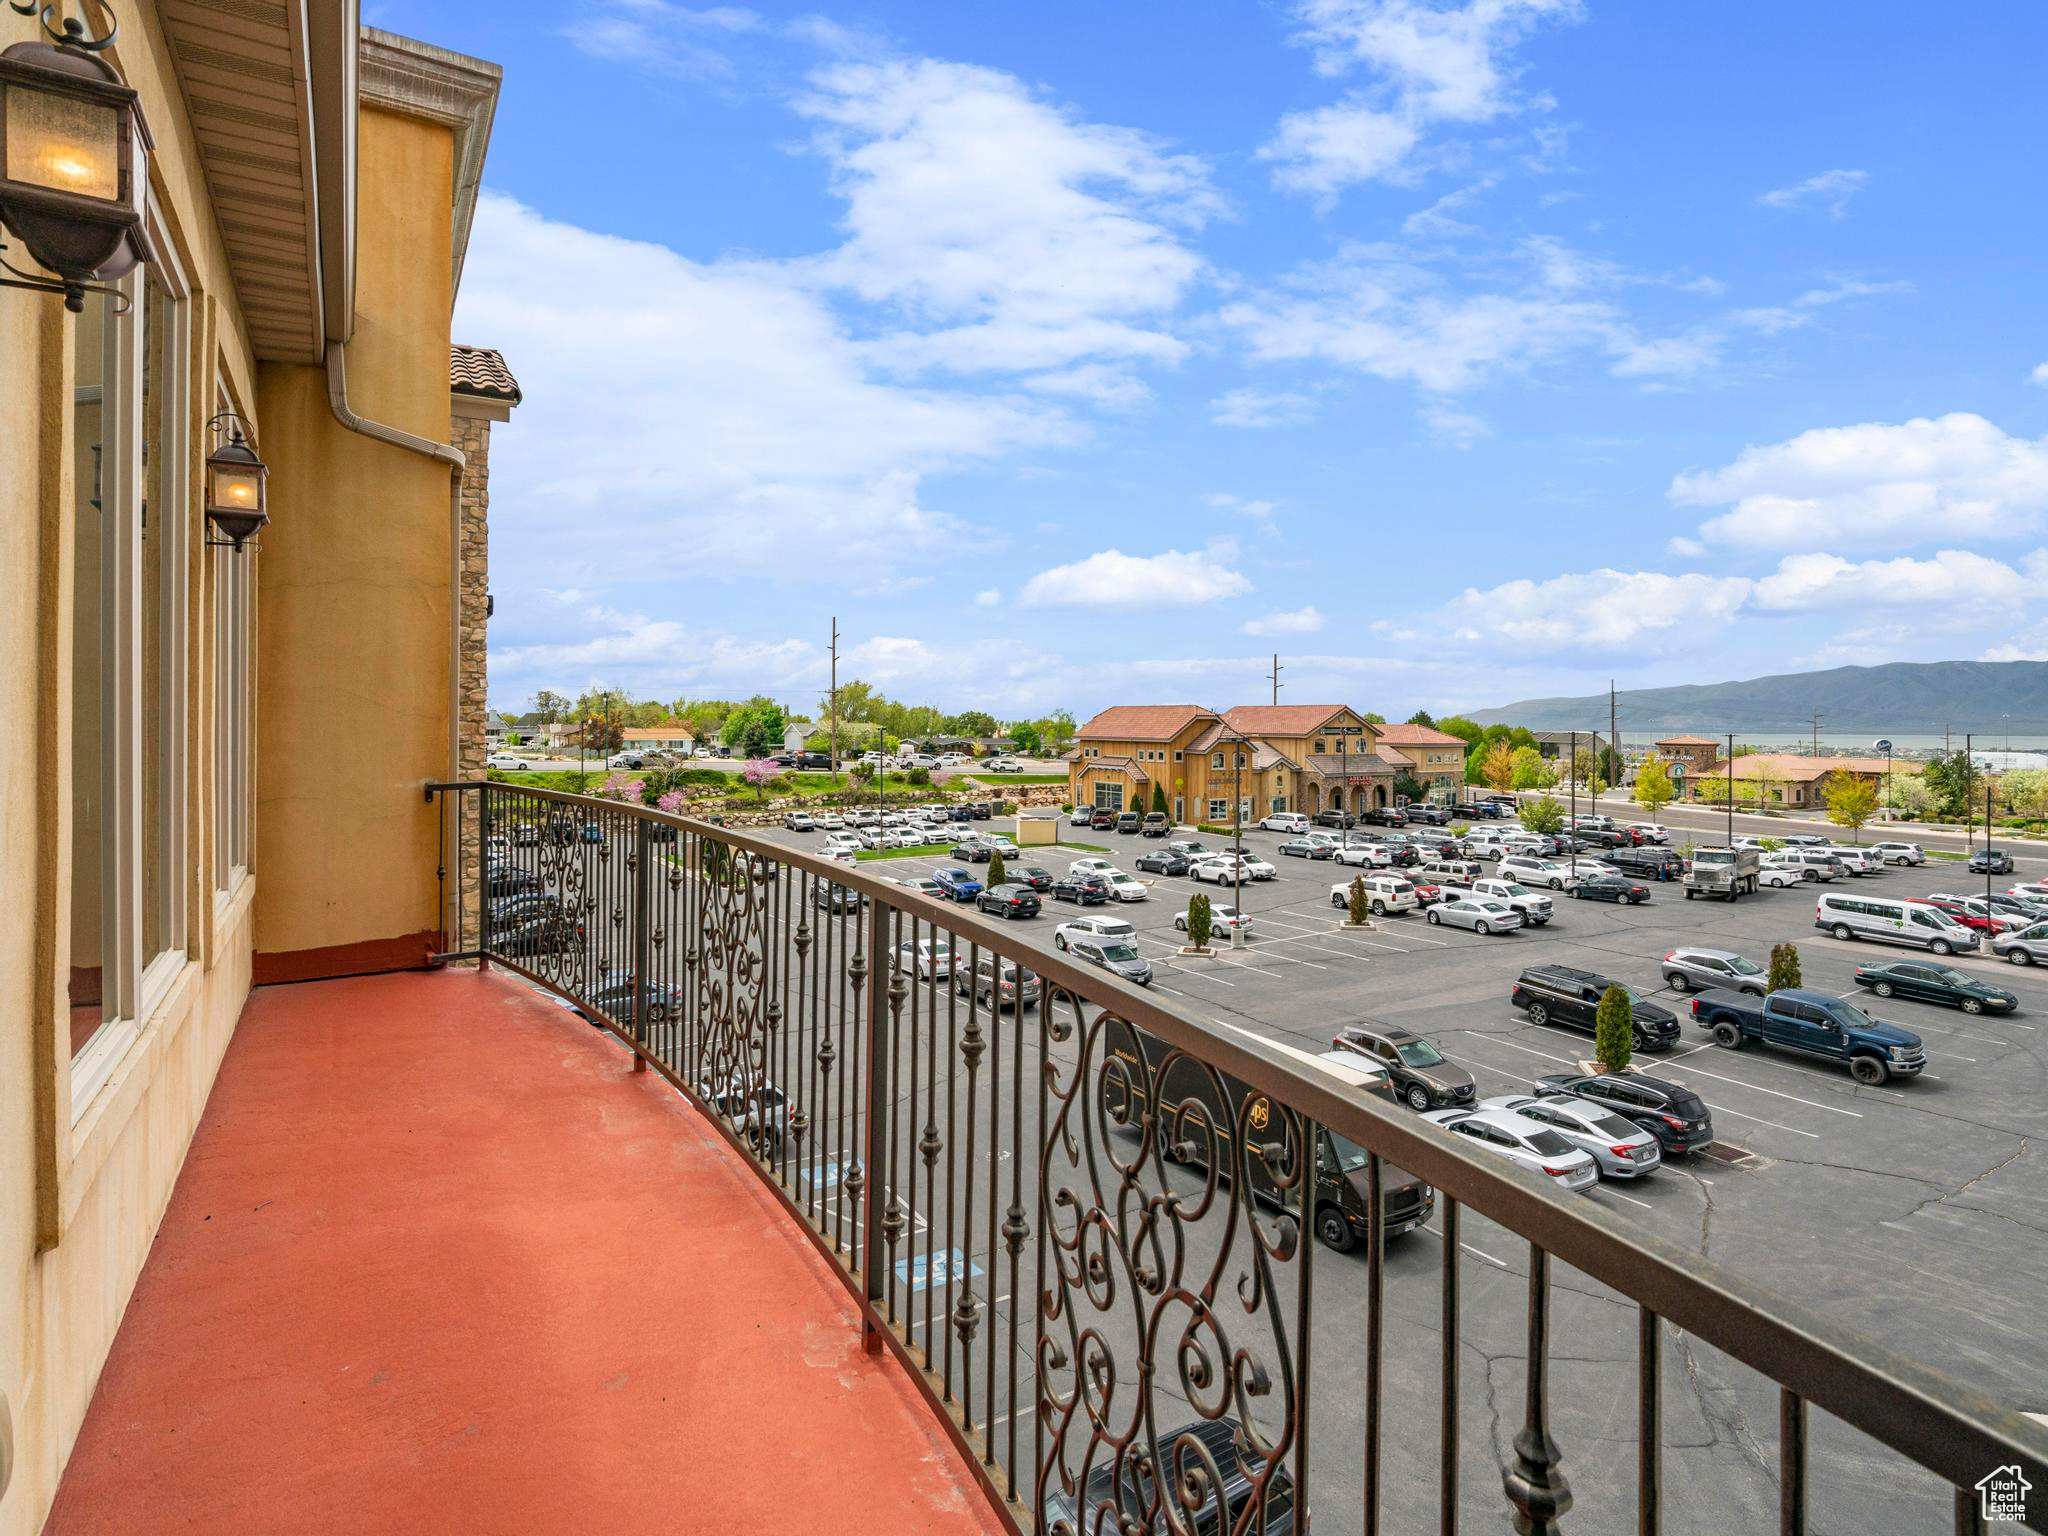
(237, 494)
(74, 161)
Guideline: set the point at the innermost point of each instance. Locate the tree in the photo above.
(1784, 971)
(1949, 778)
(1198, 921)
(1528, 770)
(1056, 730)
(1497, 765)
(1544, 814)
(1905, 795)
(1585, 765)
(1851, 800)
(754, 728)
(1159, 799)
(1422, 718)
(758, 772)
(603, 734)
(1373, 719)
(2026, 791)
(1361, 904)
(1614, 1029)
(1025, 734)
(971, 722)
(1654, 789)
(552, 708)
(1408, 787)
(856, 701)
(998, 872)
(1460, 727)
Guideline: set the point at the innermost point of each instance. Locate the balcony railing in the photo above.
(1083, 1221)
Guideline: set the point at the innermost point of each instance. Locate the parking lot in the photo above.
(1912, 1212)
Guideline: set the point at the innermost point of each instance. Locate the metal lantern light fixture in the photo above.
(237, 498)
(74, 161)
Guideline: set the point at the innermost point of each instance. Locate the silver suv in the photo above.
(1688, 967)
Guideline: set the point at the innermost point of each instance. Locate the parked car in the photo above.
(1081, 816)
(1620, 1148)
(1085, 890)
(842, 842)
(1383, 894)
(1002, 765)
(1615, 888)
(1920, 923)
(1285, 821)
(1536, 909)
(2005, 918)
(834, 897)
(1157, 824)
(2027, 947)
(1812, 1023)
(1689, 968)
(1650, 832)
(1857, 860)
(511, 762)
(1162, 862)
(1040, 880)
(1991, 861)
(1118, 959)
(973, 851)
(1481, 914)
(1343, 821)
(996, 982)
(1420, 1074)
(1094, 866)
(957, 884)
(1970, 915)
(1132, 1482)
(1669, 1111)
(1924, 982)
(799, 821)
(1107, 930)
(759, 1111)
(1525, 1143)
(926, 959)
(1569, 997)
(1128, 823)
(1647, 863)
(1387, 816)
(1125, 887)
(1102, 819)
(1302, 848)
(1222, 919)
(1008, 900)
(1899, 853)
(1365, 855)
(1189, 848)
(1533, 871)
(1804, 862)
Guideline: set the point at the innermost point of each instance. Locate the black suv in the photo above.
(1421, 1076)
(1648, 863)
(1088, 890)
(1669, 1111)
(1569, 998)
(1342, 820)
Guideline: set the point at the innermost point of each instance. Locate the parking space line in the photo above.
(1721, 1109)
(1631, 1199)
(1475, 1252)
(1773, 1092)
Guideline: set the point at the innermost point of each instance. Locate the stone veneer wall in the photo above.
(473, 436)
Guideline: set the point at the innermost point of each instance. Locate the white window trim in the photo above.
(130, 989)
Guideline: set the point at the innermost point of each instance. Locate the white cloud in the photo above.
(1684, 548)
(1829, 191)
(988, 597)
(1255, 408)
(999, 230)
(1223, 501)
(2039, 375)
(1952, 579)
(1107, 385)
(1427, 65)
(673, 39)
(1955, 476)
(1450, 428)
(1300, 621)
(1596, 610)
(1113, 579)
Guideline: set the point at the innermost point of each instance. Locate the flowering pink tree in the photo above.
(758, 772)
(618, 787)
(672, 802)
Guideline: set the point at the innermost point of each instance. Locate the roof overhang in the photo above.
(261, 79)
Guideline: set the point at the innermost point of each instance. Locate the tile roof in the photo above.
(1788, 768)
(1282, 719)
(1417, 736)
(1127, 765)
(481, 371)
(1349, 765)
(1395, 756)
(675, 732)
(1684, 741)
(1141, 722)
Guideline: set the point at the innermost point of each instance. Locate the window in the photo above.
(128, 852)
(1219, 810)
(1216, 761)
(1319, 745)
(233, 578)
(1177, 754)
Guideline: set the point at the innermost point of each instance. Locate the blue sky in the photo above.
(1082, 354)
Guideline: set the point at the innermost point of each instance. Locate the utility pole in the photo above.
(833, 698)
(1572, 827)
(1613, 739)
(1970, 795)
(1274, 677)
(1816, 732)
(1987, 845)
(1731, 790)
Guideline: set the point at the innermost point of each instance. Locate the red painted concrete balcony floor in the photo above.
(438, 1261)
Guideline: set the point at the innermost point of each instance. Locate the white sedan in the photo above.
(1093, 866)
(1221, 920)
(1479, 913)
(1126, 888)
(511, 762)
(908, 837)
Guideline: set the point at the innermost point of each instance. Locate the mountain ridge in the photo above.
(1900, 697)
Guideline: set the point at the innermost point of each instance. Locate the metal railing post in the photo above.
(483, 865)
(875, 1192)
(643, 956)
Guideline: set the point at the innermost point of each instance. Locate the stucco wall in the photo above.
(354, 641)
(79, 1201)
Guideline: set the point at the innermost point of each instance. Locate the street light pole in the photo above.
(1731, 791)
(1571, 827)
(1237, 842)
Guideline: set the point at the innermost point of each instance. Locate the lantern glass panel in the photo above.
(236, 490)
(62, 143)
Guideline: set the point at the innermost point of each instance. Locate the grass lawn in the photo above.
(998, 780)
(922, 850)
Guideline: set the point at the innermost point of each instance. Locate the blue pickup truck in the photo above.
(1814, 1024)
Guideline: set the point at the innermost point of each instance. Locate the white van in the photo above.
(1894, 922)
(1285, 821)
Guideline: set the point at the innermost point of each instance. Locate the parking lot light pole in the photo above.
(1731, 789)
(1571, 827)
(1237, 840)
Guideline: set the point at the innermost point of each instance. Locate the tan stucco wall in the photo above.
(354, 643)
(79, 1202)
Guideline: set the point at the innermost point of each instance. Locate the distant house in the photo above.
(669, 736)
(1558, 744)
(794, 737)
(1435, 758)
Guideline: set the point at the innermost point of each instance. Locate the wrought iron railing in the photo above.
(1084, 1221)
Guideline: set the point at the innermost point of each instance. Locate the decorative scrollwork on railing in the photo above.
(1171, 1206)
(734, 1006)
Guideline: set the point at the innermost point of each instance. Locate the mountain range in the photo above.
(1898, 698)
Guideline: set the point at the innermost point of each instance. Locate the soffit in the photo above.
(242, 65)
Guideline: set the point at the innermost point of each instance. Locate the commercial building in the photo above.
(1434, 758)
(1776, 778)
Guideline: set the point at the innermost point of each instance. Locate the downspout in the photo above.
(444, 453)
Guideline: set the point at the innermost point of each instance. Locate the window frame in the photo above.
(133, 985)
